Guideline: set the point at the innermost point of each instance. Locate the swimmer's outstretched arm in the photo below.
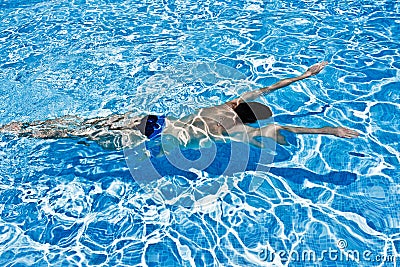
(336, 131)
(248, 96)
(274, 131)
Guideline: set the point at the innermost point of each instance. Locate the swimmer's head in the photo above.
(250, 112)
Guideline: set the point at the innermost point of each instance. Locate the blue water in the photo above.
(66, 204)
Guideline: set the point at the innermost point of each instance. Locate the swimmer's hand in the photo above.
(343, 132)
(315, 69)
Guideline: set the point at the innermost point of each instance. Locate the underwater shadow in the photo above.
(298, 176)
(252, 163)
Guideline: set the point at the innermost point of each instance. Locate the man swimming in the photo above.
(227, 121)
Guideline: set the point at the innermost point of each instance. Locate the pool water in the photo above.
(63, 203)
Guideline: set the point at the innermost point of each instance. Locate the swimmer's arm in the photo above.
(248, 96)
(336, 131)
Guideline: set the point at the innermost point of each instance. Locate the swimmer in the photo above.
(227, 121)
